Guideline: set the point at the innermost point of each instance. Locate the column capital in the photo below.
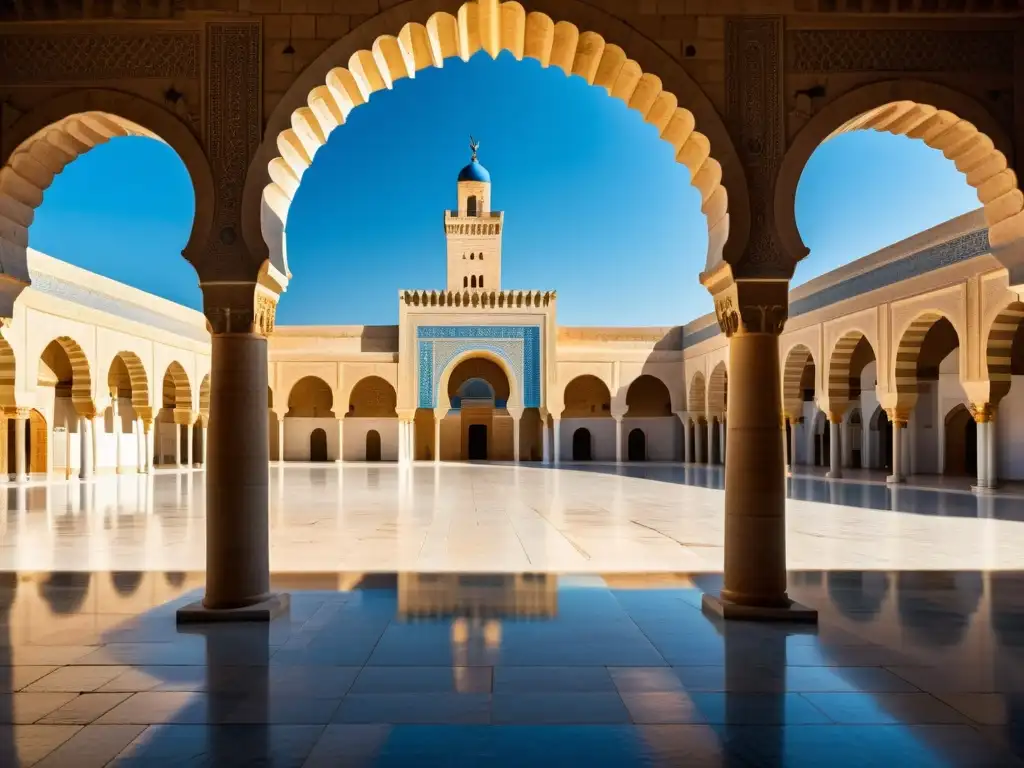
(983, 412)
(835, 417)
(897, 417)
(749, 305)
(239, 307)
(406, 414)
(22, 413)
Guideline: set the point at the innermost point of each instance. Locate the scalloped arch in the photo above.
(797, 360)
(944, 119)
(492, 27)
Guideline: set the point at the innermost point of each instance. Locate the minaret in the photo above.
(474, 232)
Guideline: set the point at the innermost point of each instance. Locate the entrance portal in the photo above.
(581, 445)
(476, 442)
(373, 445)
(637, 445)
(318, 445)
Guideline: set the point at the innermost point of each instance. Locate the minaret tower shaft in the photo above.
(473, 232)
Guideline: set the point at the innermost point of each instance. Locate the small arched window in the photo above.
(471, 205)
(472, 256)
(465, 282)
(472, 282)
(481, 281)
(481, 257)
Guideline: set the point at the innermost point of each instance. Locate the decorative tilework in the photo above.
(926, 260)
(517, 345)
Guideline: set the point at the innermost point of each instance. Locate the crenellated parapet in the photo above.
(478, 299)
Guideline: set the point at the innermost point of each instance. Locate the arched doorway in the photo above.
(855, 438)
(373, 445)
(318, 445)
(588, 407)
(961, 443)
(882, 432)
(476, 442)
(37, 447)
(637, 445)
(581, 445)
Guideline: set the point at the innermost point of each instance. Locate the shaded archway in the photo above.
(373, 447)
(318, 445)
(961, 443)
(696, 398)
(310, 398)
(944, 119)
(881, 434)
(648, 397)
(180, 386)
(926, 341)
(65, 358)
(586, 397)
(479, 427)
(325, 96)
(850, 355)
(718, 386)
(582, 445)
(1004, 350)
(371, 423)
(636, 445)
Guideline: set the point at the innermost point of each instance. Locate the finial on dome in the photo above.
(474, 145)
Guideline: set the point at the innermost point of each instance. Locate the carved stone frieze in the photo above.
(899, 50)
(233, 132)
(753, 77)
(87, 55)
(752, 306)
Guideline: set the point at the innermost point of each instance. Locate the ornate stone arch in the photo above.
(718, 384)
(204, 398)
(81, 376)
(696, 401)
(345, 76)
(908, 352)
(182, 387)
(796, 362)
(998, 349)
(643, 393)
(138, 379)
(839, 368)
(40, 144)
(582, 390)
(942, 118)
(495, 355)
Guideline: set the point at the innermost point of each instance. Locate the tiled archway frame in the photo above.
(39, 145)
(944, 119)
(372, 58)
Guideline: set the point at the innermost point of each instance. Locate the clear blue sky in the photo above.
(595, 207)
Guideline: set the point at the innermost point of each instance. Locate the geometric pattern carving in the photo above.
(83, 56)
(937, 256)
(517, 345)
(899, 50)
(753, 78)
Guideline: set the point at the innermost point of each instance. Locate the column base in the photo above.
(266, 610)
(833, 475)
(728, 610)
(895, 479)
(984, 489)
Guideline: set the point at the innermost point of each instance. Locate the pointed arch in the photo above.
(137, 379)
(182, 389)
(373, 397)
(797, 360)
(908, 355)
(81, 376)
(999, 349)
(696, 401)
(718, 385)
(311, 397)
(586, 396)
(845, 365)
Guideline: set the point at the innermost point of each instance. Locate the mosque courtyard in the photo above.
(448, 517)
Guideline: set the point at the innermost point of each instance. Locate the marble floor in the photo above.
(579, 518)
(537, 617)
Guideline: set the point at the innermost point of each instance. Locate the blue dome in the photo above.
(475, 172)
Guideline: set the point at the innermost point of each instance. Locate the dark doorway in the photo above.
(318, 445)
(581, 445)
(637, 445)
(373, 445)
(476, 442)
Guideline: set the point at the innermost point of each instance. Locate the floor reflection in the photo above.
(916, 668)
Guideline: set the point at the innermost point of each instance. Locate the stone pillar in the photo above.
(280, 438)
(191, 460)
(85, 452)
(835, 450)
(237, 478)
(150, 427)
(712, 459)
(556, 437)
(516, 419)
(618, 439)
(698, 439)
(721, 442)
(545, 435)
(202, 443)
(899, 424)
(981, 417)
(752, 314)
(20, 434)
(438, 416)
(340, 428)
(177, 444)
(992, 454)
(687, 450)
(115, 420)
(140, 447)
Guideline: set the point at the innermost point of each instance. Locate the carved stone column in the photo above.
(21, 419)
(899, 424)
(85, 447)
(752, 314)
(238, 473)
(618, 439)
(439, 414)
(556, 437)
(687, 450)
